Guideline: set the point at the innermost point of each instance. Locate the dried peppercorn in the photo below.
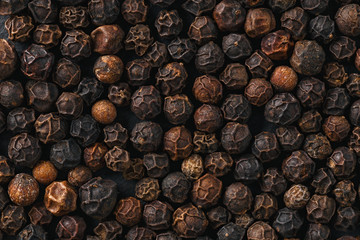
(71, 227)
(189, 221)
(37, 62)
(231, 231)
(197, 7)
(289, 138)
(72, 17)
(115, 135)
(120, 94)
(7, 170)
(314, 6)
(90, 90)
(128, 211)
(134, 11)
(117, 159)
(202, 30)
(317, 146)
(44, 172)
(69, 105)
(205, 142)
(310, 122)
(317, 231)
(192, 167)
(232, 47)
(354, 113)
(238, 198)
(206, 191)
(320, 208)
(308, 57)
(266, 147)
(342, 48)
(146, 102)
(168, 23)
(107, 39)
(108, 69)
(218, 217)
(41, 95)
(345, 193)
(207, 89)
(347, 20)
(39, 215)
(229, 15)
(282, 109)
(85, 130)
(297, 196)
(8, 58)
(273, 181)
(147, 189)
(298, 167)
(234, 76)
(157, 215)
(336, 128)
(277, 45)
(218, 163)
(13, 218)
(353, 85)
(19, 27)
(284, 79)
(146, 136)
(138, 72)
(178, 143)
(323, 181)
(259, 22)
(43, 11)
(108, 230)
(24, 150)
(138, 39)
(76, 44)
(4, 199)
(354, 141)
(322, 28)
(265, 206)
(20, 120)
(65, 154)
(235, 137)
(50, 127)
(244, 220)
(261, 230)
(346, 219)
(295, 21)
(94, 156)
(103, 12)
(60, 198)
(171, 78)
(258, 92)
(23, 189)
(177, 108)
(209, 58)
(357, 59)
(311, 92)
(140, 232)
(279, 6)
(336, 101)
(98, 197)
(66, 73)
(136, 170)
(288, 222)
(157, 165)
(79, 175)
(208, 118)
(259, 64)
(47, 34)
(342, 162)
(32, 231)
(13, 6)
(175, 186)
(248, 168)
(236, 108)
(104, 112)
(183, 49)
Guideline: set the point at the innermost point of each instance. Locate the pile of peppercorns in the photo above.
(189, 75)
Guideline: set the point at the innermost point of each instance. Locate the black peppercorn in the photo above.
(320, 208)
(314, 6)
(128, 211)
(295, 21)
(24, 150)
(259, 22)
(140, 233)
(297, 196)
(32, 232)
(134, 11)
(117, 159)
(231, 231)
(323, 181)
(265, 206)
(311, 92)
(147, 189)
(85, 129)
(41, 95)
(157, 165)
(342, 162)
(19, 27)
(353, 85)
(317, 146)
(248, 168)
(202, 30)
(342, 48)
(209, 58)
(71, 227)
(282, 109)
(273, 181)
(259, 64)
(205, 142)
(65, 154)
(7, 170)
(259, 229)
(183, 49)
(146, 102)
(229, 15)
(94, 156)
(317, 231)
(336, 101)
(70, 105)
(72, 17)
(177, 108)
(336, 128)
(146, 136)
(157, 54)
(76, 44)
(103, 12)
(90, 90)
(47, 34)
(8, 57)
(13, 218)
(43, 11)
(175, 186)
(120, 94)
(354, 141)
(157, 215)
(50, 127)
(11, 94)
(115, 135)
(206, 191)
(266, 147)
(171, 78)
(208, 118)
(277, 45)
(9, 7)
(168, 23)
(288, 222)
(345, 193)
(310, 122)
(67, 73)
(138, 72)
(289, 138)
(322, 28)
(298, 167)
(348, 20)
(235, 137)
(238, 198)
(108, 230)
(197, 7)
(346, 219)
(138, 39)
(218, 163)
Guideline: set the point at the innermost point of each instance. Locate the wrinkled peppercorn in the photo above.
(236, 108)
(67, 73)
(288, 222)
(238, 198)
(234, 76)
(207, 89)
(103, 12)
(107, 39)
(259, 64)
(90, 90)
(229, 15)
(284, 79)
(232, 47)
(41, 95)
(32, 232)
(209, 58)
(295, 21)
(336, 101)
(7, 170)
(353, 85)
(178, 143)
(4, 199)
(138, 39)
(261, 230)
(317, 146)
(134, 11)
(265, 206)
(322, 28)
(289, 138)
(346, 219)
(43, 11)
(192, 167)
(39, 215)
(13, 218)
(344, 193)
(23, 189)
(282, 109)
(348, 20)
(218, 163)
(50, 127)
(175, 186)
(8, 58)
(60, 198)
(47, 34)
(231, 231)
(336, 128)
(120, 94)
(206, 191)
(208, 118)
(136, 170)
(323, 181)
(157, 215)
(205, 142)
(177, 108)
(79, 175)
(172, 78)
(157, 54)
(273, 181)
(277, 45)
(218, 217)
(320, 208)
(157, 165)
(140, 233)
(354, 141)
(20, 120)
(138, 72)
(182, 49)
(11, 94)
(146, 102)
(71, 227)
(259, 22)
(76, 44)
(117, 159)
(317, 231)
(342, 162)
(202, 30)
(85, 129)
(248, 168)
(45, 172)
(168, 23)
(310, 122)
(65, 154)
(19, 27)
(244, 220)
(258, 92)
(147, 189)
(94, 156)
(72, 17)
(24, 150)
(311, 92)
(298, 167)
(108, 230)
(296, 196)
(128, 211)
(342, 48)
(235, 137)
(146, 136)
(70, 105)
(266, 147)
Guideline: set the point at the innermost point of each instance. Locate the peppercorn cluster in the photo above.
(226, 119)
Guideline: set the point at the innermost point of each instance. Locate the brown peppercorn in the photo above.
(24, 150)
(310, 122)
(258, 92)
(13, 218)
(206, 191)
(282, 109)
(334, 74)
(79, 175)
(202, 30)
(146, 102)
(354, 141)
(43, 11)
(266, 147)
(60, 198)
(289, 138)
(205, 142)
(157, 215)
(342, 162)
(138, 39)
(67, 73)
(277, 45)
(218, 217)
(115, 135)
(50, 127)
(317, 231)
(23, 189)
(76, 44)
(353, 84)
(336, 128)
(273, 181)
(94, 156)
(295, 21)
(189, 221)
(208, 118)
(72, 17)
(7, 170)
(320, 208)
(175, 186)
(171, 78)
(146, 136)
(244, 220)
(196, 7)
(207, 89)
(104, 112)
(229, 15)
(168, 23)
(108, 69)
(236, 46)
(284, 79)
(259, 64)
(45, 172)
(234, 76)
(138, 72)
(11, 94)
(182, 49)
(140, 233)
(317, 146)
(323, 181)
(346, 219)
(298, 167)
(345, 193)
(136, 170)
(157, 54)
(248, 168)
(71, 227)
(296, 196)
(103, 11)
(218, 163)
(134, 11)
(8, 58)
(261, 231)
(235, 137)
(348, 20)
(265, 206)
(336, 102)
(47, 34)
(178, 143)
(192, 167)
(209, 58)
(288, 223)
(311, 92)
(19, 27)
(147, 189)
(157, 165)
(41, 95)
(117, 159)
(357, 59)
(238, 198)
(342, 48)
(128, 211)
(9, 7)
(120, 94)
(37, 62)
(107, 39)
(69, 105)
(178, 108)
(259, 22)
(39, 215)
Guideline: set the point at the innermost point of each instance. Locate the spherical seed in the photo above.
(45, 172)
(284, 79)
(23, 189)
(104, 112)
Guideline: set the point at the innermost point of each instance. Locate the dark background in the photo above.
(256, 123)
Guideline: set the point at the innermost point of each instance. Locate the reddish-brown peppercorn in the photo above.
(284, 79)
(71, 227)
(277, 45)
(273, 181)
(13, 218)
(79, 175)
(94, 156)
(128, 211)
(229, 15)
(136, 170)
(348, 20)
(23, 189)
(266, 147)
(218, 163)
(235, 137)
(206, 191)
(261, 231)
(259, 22)
(265, 206)
(323, 181)
(47, 34)
(60, 198)
(107, 39)
(234, 76)
(147, 189)
(320, 208)
(172, 78)
(202, 30)
(8, 58)
(317, 146)
(146, 102)
(134, 11)
(207, 89)
(157, 165)
(74, 17)
(104, 112)
(19, 27)
(258, 91)
(208, 118)
(107, 230)
(178, 108)
(117, 159)
(345, 193)
(205, 142)
(298, 167)
(45, 172)
(336, 128)
(178, 143)
(157, 215)
(334, 74)
(39, 215)
(192, 167)
(66, 73)
(76, 44)
(138, 39)
(108, 69)
(296, 196)
(7, 170)
(238, 198)
(342, 162)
